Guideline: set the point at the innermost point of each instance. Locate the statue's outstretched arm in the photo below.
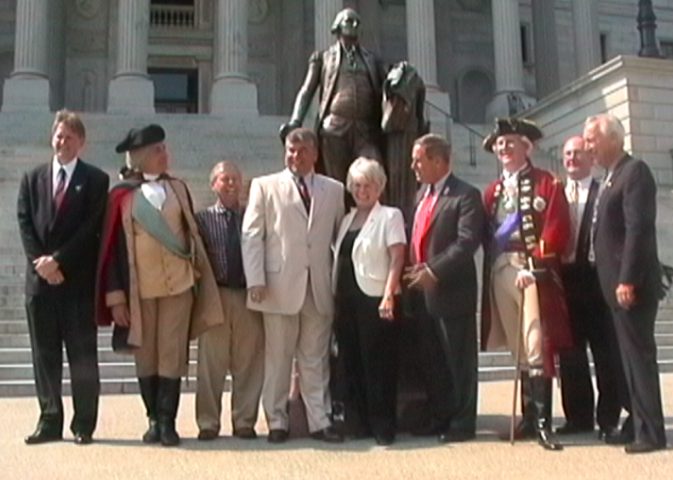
(307, 90)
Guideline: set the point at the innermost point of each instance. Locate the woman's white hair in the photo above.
(367, 169)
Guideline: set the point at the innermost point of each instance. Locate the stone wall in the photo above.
(636, 90)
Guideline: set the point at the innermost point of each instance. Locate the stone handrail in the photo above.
(172, 16)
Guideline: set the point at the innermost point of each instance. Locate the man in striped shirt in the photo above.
(237, 345)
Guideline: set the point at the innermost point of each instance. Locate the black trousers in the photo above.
(449, 359)
(635, 334)
(591, 323)
(368, 355)
(55, 320)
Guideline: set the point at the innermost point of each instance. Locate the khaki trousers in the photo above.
(236, 346)
(165, 327)
(304, 336)
(507, 301)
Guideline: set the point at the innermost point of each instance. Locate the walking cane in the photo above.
(519, 341)
(517, 374)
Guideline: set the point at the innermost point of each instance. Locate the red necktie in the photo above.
(59, 193)
(422, 225)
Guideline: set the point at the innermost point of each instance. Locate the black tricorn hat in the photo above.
(517, 126)
(141, 137)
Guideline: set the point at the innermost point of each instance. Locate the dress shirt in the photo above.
(214, 227)
(153, 191)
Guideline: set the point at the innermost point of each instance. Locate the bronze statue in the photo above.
(350, 79)
(403, 122)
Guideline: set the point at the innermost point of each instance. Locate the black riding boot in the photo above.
(148, 391)
(541, 392)
(167, 410)
(526, 427)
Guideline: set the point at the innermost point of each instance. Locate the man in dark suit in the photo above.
(448, 225)
(350, 80)
(60, 211)
(625, 252)
(590, 318)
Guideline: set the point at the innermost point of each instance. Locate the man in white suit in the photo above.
(289, 225)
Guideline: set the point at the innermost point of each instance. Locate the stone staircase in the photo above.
(196, 143)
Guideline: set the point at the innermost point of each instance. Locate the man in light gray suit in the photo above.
(289, 225)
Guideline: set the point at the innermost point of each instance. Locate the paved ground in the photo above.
(118, 453)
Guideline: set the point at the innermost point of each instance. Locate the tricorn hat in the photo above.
(141, 137)
(517, 126)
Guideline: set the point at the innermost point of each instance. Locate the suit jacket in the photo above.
(71, 235)
(282, 244)
(454, 235)
(625, 240)
(323, 70)
(371, 260)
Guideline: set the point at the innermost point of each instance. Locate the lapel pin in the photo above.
(78, 188)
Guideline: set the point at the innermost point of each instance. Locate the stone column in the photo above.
(232, 90)
(325, 11)
(131, 90)
(422, 53)
(587, 35)
(27, 88)
(546, 51)
(509, 93)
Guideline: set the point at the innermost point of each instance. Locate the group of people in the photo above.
(293, 294)
(289, 281)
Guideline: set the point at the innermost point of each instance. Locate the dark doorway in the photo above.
(175, 90)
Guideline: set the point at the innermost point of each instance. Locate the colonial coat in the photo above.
(547, 240)
(117, 275)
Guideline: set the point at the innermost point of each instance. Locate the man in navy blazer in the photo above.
(625, 252)
(448, 225)
(60, 210)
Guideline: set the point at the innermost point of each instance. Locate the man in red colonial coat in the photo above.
(523, 303)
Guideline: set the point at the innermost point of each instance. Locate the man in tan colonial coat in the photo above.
(155, 281)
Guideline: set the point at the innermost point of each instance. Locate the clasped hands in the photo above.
(48, 269)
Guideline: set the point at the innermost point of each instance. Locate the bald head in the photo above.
(576, 160)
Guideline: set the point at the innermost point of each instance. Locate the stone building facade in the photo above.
(231, 57)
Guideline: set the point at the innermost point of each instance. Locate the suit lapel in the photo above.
(290, 190)
(582, 246)
(442, 200)
(317, 198)
(46, 204)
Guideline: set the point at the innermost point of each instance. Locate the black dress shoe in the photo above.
(455, 436)
(545, 440)
(41, 436)
(572, 429)
(617, 437)
(277, 435)
(246, 433)
(206, 435)
(384, 438)
(642, 447)
(328, 434)
(83, 439)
